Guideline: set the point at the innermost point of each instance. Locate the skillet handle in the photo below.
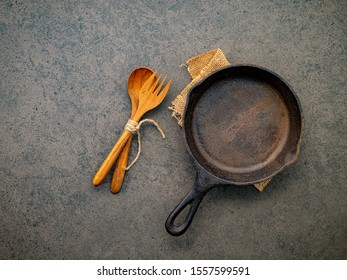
(193, 198)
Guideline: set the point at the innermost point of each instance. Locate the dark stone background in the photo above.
(63, 103)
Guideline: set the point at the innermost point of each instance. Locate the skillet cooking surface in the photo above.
(243, 124)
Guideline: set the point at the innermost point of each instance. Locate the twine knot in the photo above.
(134, 127)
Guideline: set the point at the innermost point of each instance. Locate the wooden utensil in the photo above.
(135, 82)
(150, 97)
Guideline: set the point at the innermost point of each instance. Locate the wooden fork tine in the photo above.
(159, 87)
(155, 84)
(147, 85)
(164, 92)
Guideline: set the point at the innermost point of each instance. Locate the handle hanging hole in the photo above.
(182, 216)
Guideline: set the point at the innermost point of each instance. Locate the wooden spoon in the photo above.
(150, 97)
(135, 82)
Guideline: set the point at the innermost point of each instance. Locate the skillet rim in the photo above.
(200, 167)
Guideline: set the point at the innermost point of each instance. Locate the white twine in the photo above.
(134, 127)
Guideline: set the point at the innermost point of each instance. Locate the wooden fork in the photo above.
(149, 98)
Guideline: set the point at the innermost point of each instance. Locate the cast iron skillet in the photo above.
(242, 125)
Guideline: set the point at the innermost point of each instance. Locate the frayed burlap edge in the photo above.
(199, 67)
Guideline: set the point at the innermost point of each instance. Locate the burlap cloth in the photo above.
(199, 67)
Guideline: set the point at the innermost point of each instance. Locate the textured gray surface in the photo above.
(64, 69)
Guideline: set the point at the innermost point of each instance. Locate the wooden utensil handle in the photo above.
(106, 166)
(119, 171)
